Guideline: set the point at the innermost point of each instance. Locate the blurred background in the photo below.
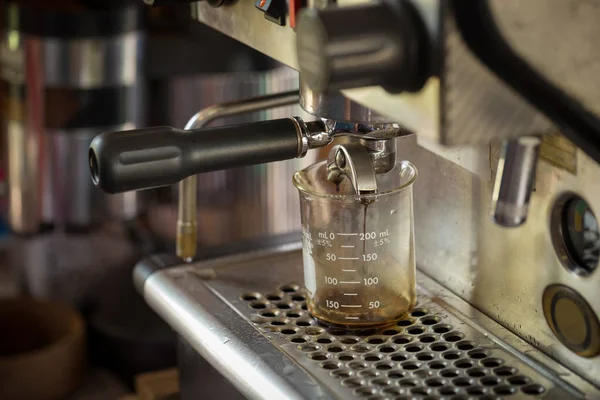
(72, 325)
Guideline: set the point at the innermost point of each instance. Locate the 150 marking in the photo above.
(369, 257)
(332, 304)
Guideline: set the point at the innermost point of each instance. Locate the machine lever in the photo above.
(152, 157)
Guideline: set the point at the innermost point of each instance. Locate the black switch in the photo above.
(274, 10)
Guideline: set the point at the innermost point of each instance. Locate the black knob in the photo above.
(373, 44)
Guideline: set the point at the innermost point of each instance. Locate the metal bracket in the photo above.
(353, 161)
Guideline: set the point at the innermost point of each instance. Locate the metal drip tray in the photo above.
(247, 316)
(423, 354)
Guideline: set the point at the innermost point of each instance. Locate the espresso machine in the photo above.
(497, 110)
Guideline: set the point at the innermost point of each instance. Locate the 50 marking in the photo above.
(374, 304)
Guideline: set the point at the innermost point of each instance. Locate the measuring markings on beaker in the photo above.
(326, 239)
(357, 276)
(340, 247)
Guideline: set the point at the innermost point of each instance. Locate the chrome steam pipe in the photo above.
(187, 206)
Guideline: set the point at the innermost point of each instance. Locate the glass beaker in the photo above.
(358, 251)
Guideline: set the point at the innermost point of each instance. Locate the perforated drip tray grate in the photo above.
(251, 327)
(424, 355)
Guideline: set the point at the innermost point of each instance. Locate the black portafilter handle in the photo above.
(152, 157)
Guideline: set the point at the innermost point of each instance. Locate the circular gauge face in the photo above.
(581, 236)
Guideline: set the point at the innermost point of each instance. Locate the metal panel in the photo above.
(558, 38)
(510, 288)
(476, 105)
(501, 271)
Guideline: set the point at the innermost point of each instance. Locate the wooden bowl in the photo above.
(42, 349)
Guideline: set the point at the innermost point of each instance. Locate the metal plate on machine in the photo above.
(443, 349)
(560, 152)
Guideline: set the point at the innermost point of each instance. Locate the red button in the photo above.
(294, 7)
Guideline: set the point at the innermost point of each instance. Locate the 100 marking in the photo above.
(329, 280)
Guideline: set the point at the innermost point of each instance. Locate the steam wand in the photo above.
(187, 207)
(160, 156)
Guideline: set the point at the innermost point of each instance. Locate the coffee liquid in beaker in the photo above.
(358, 251)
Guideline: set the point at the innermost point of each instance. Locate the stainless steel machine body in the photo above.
(531, 270)
(503, 272)
(464, 251)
